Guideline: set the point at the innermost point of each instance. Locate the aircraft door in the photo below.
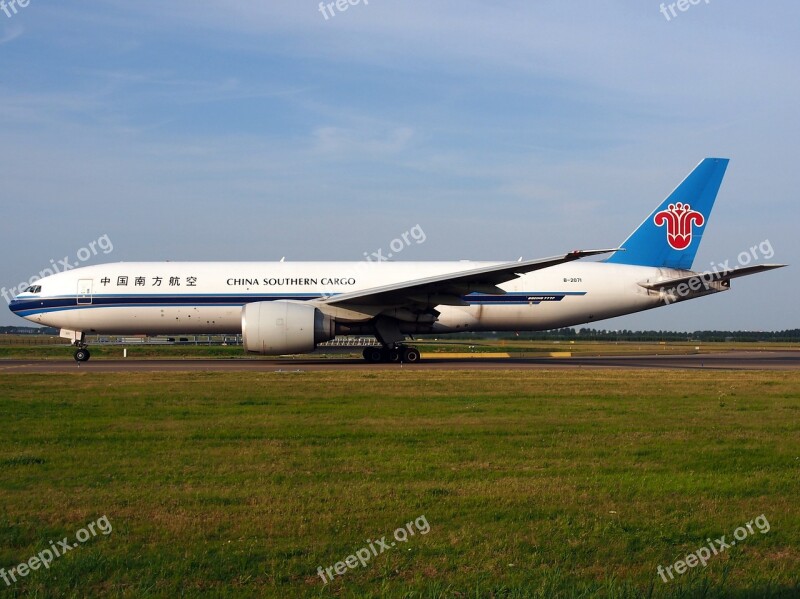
(85, 291)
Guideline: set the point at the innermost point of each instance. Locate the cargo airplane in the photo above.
(289, 308)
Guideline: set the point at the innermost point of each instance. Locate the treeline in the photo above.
(586, 334)
(566, 334)
(28, 331)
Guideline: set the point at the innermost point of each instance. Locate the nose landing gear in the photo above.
(78, 341)
(81, 349)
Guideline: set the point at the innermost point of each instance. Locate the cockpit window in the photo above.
(34, 289)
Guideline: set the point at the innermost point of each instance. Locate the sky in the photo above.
(256, 130)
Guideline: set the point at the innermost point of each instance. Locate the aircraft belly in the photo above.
(539, 316)
(153, 320)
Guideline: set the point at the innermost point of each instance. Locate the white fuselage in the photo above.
(155, 298)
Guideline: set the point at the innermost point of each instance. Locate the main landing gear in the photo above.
(397, 354)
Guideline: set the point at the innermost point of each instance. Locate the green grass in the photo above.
(535, 484)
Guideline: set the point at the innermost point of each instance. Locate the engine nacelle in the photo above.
(284, 327)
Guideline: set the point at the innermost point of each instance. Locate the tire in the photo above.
(82, 355)
(373, 355)
(411, 355)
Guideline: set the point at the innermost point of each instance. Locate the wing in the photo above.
(449, 288)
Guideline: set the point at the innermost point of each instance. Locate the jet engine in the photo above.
(284, 327)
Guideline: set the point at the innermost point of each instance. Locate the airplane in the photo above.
(291, 307)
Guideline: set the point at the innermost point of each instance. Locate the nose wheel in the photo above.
(400, 353)
(82, 354)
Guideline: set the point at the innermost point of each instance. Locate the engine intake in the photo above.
(284, 327)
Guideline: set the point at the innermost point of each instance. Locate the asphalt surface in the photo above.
(739, 360)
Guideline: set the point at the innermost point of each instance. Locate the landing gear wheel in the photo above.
(395, 355)
(411, 355)
(82, 355)
(373, 355)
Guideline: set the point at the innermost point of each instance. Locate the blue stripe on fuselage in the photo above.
(40, 305)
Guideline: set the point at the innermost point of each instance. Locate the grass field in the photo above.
(533, 483)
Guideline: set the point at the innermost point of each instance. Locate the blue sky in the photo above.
(195, 130)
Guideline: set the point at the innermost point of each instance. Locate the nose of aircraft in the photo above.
(23, 300)
(15, 305)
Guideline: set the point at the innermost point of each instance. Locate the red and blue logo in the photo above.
(679, 219)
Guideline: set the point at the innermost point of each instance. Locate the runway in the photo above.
(739, 360)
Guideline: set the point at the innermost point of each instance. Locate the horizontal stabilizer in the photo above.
(705, 280)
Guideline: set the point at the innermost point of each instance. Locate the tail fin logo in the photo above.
(679, 219)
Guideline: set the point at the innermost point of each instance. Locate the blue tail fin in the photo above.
(670, 236)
